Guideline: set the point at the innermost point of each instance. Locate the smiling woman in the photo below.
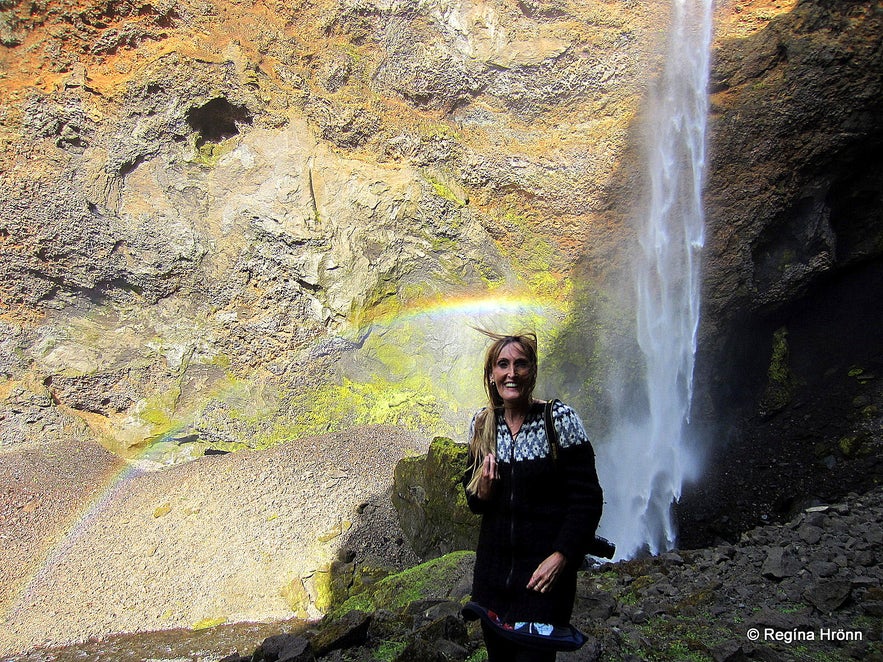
(513, 376)
(539, 512)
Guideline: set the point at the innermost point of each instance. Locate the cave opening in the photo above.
(217, 120)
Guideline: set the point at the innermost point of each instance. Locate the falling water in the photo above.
(646, 462)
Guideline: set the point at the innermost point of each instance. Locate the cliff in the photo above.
(791, 361)
(211, 205)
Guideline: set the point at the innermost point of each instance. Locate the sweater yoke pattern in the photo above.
(531, 442)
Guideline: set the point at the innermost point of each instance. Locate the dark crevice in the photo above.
(130, 166)
(217, 120)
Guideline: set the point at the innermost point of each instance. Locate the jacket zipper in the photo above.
(511, 511)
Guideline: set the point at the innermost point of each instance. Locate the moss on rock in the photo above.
(781, 381)
(296, 597)
(446, 577)
(429, 498)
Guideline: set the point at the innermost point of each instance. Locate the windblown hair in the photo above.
(484, 433)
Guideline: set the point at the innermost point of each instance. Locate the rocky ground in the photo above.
(806, 590)
(93, 545)
(809, 589)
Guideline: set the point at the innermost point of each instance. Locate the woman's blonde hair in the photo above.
(484, 432)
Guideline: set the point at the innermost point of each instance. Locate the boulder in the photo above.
(828, 595)
(284, 648)
(780, 562)
(348, 631)
(419, 589)
(429, 498)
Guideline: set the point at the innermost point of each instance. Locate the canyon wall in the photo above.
(214, 216)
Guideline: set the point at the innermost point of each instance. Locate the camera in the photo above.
(602, 548)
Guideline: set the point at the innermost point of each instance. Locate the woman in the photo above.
(539, 514)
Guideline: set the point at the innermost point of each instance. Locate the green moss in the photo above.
(512, 217)
(394, 357)
(324, 590)
(389, 650)
(795, 608)
(681, 651)
(388, 300)
(861, 375)
(848, 445)
(221, 360)
(536, 259)
(632, 595)
(159, 409)
(207, 623)
(447, 456)
(433, 578)
(700, 597)
(208, 154)
(778, 370)
(598, 341)
(445, 515)
(442, 190)
(434, 131)
(413, 402)
(296, 597)
(781, 382)
(547, 283)
(665, 639)
(383, 293)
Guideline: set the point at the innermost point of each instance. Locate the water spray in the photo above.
(646, 461)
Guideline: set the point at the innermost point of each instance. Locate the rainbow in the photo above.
(495, 312)
(76, 527)
(482, 306)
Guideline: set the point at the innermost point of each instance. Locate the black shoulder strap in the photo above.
(551, 431)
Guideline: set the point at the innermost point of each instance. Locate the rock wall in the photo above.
(791, 353)
(206, 199)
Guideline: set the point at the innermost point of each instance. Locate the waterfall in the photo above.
(645, 463)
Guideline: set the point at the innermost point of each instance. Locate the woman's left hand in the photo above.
(547, 572)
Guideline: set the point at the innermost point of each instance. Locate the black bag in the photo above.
(542, 636)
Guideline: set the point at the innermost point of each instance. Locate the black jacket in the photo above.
(538, 507)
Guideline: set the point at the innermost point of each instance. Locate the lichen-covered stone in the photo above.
(445, 578)
(428, 495)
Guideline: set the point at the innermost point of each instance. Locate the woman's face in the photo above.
(511, 374)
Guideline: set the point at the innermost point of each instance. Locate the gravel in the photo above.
(92, 545)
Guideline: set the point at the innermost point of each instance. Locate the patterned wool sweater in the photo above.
(539, 506)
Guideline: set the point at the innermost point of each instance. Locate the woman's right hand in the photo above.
(489, 476)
